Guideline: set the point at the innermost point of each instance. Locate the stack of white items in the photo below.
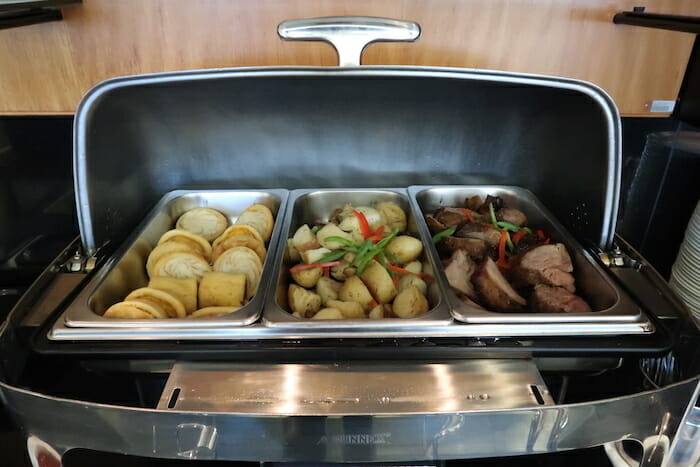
(685, 273)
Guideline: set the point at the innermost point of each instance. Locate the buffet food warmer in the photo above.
(262, 384)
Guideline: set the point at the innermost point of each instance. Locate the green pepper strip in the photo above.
(528, 230)
(366, 245)
(509, 242)
(508, 226)
(374, 251)
(445, 233)
(492, 214)
(332, 256)
(344, 241)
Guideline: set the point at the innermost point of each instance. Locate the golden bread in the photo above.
(221, 289)
(171, 305)
(184, 290)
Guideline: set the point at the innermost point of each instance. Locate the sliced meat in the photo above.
(487, 233)
(470, 302)
(473, 202)
(459, 270)
(473, 247)
(512, 215)
(545, 264)
(434, 225)
(547, 299)
(495, 290)
(451, 216)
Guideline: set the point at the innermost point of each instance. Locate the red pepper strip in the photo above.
(326, 272)
(300, 267)
(517, 236)
(374, 303)
(406, 271)
(540, 235)
(469, 214)
(395, 280)
(377, 235)
(502, 260)
(364, 225)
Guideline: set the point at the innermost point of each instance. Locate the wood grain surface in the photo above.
(46, 68)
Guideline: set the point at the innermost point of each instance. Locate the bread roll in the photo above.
(222, 289)
(241, 260)
(135, 309)
(196, 242)
(184, 290)
(181, 265)
(260, 218)
(171, 305)
(206, 222)
(213, 311)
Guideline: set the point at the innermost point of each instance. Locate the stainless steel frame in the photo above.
(315, 206)
(609, 302)
(125, 270)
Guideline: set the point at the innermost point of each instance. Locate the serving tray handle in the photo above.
(349, 35)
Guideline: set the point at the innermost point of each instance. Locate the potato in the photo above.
(411, 280)
(392, 215)
(304, 239)
(307, 277)
(350, 310)
(328, 289)
(416, 267)
(410, 303)
(405, 248)
(297, 314)
(343, 271)
(292, 254)
(331, 230)
(354, 290)
(377, 312)
(314, 256)
(351, 224)
(302, 301)
(329, 313)
(379, 282)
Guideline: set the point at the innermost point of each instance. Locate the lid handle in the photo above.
(349, 35)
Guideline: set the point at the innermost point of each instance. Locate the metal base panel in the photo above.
(359, 388)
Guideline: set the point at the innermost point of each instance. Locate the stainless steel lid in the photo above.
(139, 137)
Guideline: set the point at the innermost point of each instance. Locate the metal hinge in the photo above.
(616, 258)
(80, 263)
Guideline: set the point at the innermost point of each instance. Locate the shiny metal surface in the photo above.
(125, 270)
(650, 417)
(372, 126)
(609, 302)
(314, 207)
(357, 388)
(349, 35)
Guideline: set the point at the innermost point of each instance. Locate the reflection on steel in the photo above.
(357, 388)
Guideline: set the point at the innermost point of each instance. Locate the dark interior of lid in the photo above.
(345, 131)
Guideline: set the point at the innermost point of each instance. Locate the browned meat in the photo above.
(545, 264)
(495, 290)
(473, 247)
(470, 302)
(512, 215)
(474, 203)
(450, 216)
(459, 270)
(497, 202)
(434, 225)
(547, 299)
(487, 233)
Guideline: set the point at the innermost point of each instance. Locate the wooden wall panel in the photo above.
(46, 68)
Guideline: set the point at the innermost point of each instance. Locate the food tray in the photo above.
(609, 302)
(125, 270)
(315, 206)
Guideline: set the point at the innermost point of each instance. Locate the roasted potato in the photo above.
(405, 248)
(379, 282)
(328, 289)
(409, 303)
(303, 301)
(307, 277)
(292, 253)
(411, 280)
(331, 230)
(392, 215)
(351, 224)
(377, 312)
(315, 255)
(350, 310)
(354, 290)
(304, 239)
(343, 270)
(416, 267)
(329, 313)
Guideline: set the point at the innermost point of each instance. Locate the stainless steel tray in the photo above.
(125, 270)
(315, 206)
(609, 302)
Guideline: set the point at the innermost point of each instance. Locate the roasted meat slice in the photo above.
(451, 216)
(496, 201)
(545, 264)
(470, 302)
(473, 202)
(434, 225)
(512, 215)
(495, 290)
(473, 247)
(488, 233)
(459, 270)
(548, 299)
